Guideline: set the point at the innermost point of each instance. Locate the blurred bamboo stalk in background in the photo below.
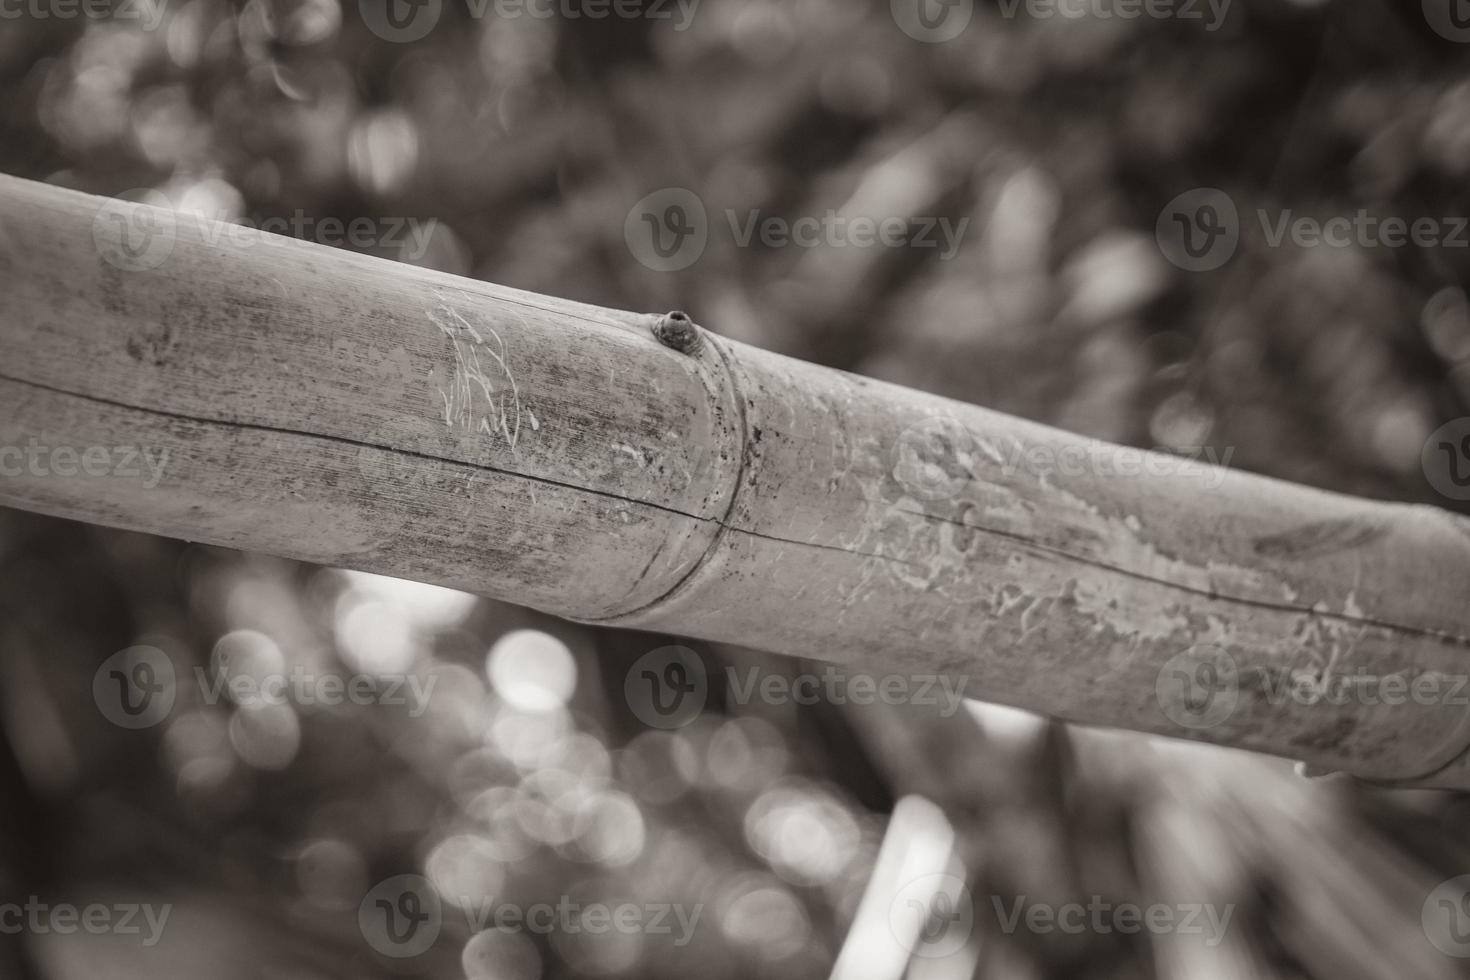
(213, 383)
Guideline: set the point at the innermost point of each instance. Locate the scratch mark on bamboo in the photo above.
(499, 410)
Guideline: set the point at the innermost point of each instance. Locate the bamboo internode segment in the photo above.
(322, 405)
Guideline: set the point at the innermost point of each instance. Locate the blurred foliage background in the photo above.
(528, 140)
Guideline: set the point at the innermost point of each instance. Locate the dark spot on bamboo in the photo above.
(965, 527)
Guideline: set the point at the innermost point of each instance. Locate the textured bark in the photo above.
(341, 409)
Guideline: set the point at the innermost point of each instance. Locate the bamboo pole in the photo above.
(633, 470)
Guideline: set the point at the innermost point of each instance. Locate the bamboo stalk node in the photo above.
(677, 331)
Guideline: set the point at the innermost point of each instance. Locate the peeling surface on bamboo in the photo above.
(340, 409)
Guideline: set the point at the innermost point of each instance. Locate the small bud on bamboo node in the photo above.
(677, 331)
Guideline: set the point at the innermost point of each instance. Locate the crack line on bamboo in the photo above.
(724, 526)
(1192, 590)
(348, 441)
